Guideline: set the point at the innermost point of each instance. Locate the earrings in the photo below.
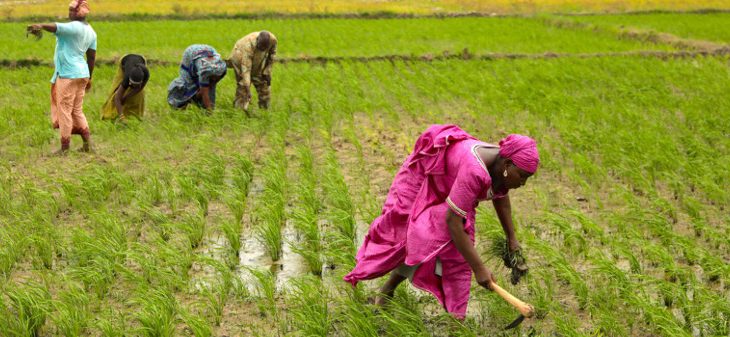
(505, 173)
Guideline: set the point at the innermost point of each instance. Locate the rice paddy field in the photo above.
(188, 224)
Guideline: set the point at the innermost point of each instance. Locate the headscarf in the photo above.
(81, 7)
(522, 150)
(212, 66)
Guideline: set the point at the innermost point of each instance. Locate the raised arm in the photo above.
(37, 27)
(464, 245)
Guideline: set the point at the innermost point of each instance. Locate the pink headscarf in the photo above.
(522, 150)
(80, 6)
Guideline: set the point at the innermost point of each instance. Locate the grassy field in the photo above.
(192, 225)
(45, 8)
(165, 40)
(692, 26)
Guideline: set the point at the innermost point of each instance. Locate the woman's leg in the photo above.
(388, 289)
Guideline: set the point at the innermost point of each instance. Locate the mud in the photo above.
(695, 49)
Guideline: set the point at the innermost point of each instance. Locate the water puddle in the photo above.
(252, 256)
(291, 264)
(204, 276)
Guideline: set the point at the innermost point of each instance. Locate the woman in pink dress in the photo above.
(426, 230)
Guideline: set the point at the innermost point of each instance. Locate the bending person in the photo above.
(252, 58)
(127, 95)
(200, 70)
(72, 73)
(426, 230)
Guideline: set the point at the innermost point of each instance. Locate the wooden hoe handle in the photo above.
(525, 309)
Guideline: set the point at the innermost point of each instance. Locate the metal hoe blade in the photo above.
(515, 323)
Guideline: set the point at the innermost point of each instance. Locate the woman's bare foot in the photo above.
(60, 152)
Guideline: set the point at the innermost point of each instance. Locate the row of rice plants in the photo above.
(269, 214)
(307, 206)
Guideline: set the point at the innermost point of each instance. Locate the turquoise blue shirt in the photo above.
(73, 39)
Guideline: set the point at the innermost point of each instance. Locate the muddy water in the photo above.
(252, 256)
(203, 275)
(291, 264)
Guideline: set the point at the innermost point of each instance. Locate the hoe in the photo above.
(526, 310)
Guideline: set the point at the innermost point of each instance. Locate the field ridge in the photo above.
(374, 15)
(643, 35)
(444, 56)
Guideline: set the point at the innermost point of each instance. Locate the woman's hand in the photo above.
(514, 245)
(484, 277)
(34, 28)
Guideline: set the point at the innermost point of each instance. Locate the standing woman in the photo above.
(127, 95)
(426, 230)
(200, 70)
(72, 74)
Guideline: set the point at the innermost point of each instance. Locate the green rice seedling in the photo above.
(154, 215)
(242, 173)
(715, 268)
(269, 234)
(174, 260)
(402, 316)
(111, 324)
(590, 228)
(224, 272)
(661, 318)
(198, 325)
(661, 258)
(152, 190)
(95, 259)
(571, 238)
(265, 291)
(30, 303)
(72, 314)
(232, 232)
(202, 199)
(309, 308)
(211, 171)
(194, 227)
(339, 251)
(629, 255)
(542, 293)
(356, 319)
(310, 251)
(239, 289)
(343, 221)
(274, 176)
(567, 325)
(44, 246)
(236, 203)
(216, 297)
(565, 272)
(269, 218)
(161, 264)
(156, 316)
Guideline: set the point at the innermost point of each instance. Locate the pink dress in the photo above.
(443, 172)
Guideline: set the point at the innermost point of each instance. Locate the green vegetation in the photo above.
(625, 226)
(166, 39)
(691, 26)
